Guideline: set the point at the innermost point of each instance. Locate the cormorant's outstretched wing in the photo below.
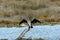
(23, 21)
(35, 20)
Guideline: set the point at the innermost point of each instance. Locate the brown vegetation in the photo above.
(44, 10)
(16, 22)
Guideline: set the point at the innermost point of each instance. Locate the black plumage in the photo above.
(23, 21)
(35, 20)
(30, 22)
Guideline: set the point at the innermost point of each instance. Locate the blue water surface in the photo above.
(47, 32)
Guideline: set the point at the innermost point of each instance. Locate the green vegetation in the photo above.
(45, 15)
(30, 39)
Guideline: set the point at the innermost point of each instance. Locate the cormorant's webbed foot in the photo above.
(31, 26)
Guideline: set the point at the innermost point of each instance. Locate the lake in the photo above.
(47, 32)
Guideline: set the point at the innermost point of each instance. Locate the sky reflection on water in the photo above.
(47, 32)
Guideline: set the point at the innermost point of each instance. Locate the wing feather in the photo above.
(35, 20)
(23, 21)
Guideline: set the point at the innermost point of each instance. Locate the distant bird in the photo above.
(30, 22)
